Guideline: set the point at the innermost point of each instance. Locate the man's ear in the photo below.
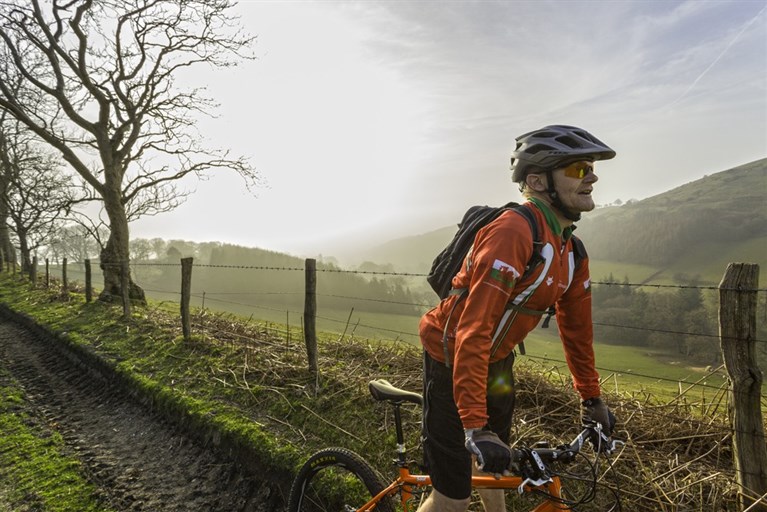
(536, 182)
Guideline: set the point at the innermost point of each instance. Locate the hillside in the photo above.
(710, 216)
(695, 229)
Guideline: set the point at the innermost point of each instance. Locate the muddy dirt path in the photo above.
(138, 462)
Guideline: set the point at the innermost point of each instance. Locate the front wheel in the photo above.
(337, 480)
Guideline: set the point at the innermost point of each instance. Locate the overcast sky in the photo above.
(384, 119)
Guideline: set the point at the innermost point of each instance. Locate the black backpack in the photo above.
(448, 262)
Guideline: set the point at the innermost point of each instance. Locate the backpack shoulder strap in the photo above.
(579, 251)
(536, 258)
(579, 254)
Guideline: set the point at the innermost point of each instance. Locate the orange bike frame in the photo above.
(406, 481)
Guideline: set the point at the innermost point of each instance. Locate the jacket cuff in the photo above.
(474, 424)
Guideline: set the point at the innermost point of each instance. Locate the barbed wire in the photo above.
(256, 306)
(376, 328)
(679, 333)
(400, 333)
(415, 335)
(636, 374)
(655, 410)
(410, 274)
(676, 286)
(207, 294)
(376, 300)
(600, 324)
(558, 362)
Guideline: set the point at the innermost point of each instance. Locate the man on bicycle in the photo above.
(469, 338)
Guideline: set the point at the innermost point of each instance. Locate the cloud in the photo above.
(383, 116)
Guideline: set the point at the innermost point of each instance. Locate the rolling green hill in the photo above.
(694, 229)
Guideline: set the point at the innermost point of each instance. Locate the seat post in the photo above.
(400, 434)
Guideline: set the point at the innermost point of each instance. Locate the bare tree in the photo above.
(7, 254)
(74, 242)
(103, 76)
(36, 193)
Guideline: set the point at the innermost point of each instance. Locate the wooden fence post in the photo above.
(310, 312)
(64, 283)
(186, 293)
(33, 272)
(47, 274)
(737, 331)
(88, 283)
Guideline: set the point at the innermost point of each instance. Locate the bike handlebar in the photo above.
(533, 463)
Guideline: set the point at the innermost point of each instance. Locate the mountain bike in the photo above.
(338, 479)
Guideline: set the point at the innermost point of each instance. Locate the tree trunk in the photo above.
(116, 254)
(26, 260)
(6, 249)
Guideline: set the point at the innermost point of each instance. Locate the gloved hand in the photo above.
(493, 455)
(594, 409)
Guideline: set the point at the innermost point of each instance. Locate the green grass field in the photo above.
(634, 371)
(600, 270)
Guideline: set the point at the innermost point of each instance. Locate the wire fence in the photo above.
(379, 305)
(349, 313)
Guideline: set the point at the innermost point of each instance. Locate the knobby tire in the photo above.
(337, 480)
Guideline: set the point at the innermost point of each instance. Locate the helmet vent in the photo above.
(586, 136)
(537, 148)
(569, 142)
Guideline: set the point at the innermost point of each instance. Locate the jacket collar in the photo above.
(551, 219)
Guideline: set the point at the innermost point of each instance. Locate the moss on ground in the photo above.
(33, 459)
(233, 377)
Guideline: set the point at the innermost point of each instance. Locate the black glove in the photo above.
(493, 455)
(594, 409)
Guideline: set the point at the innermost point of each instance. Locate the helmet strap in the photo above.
(556, 202)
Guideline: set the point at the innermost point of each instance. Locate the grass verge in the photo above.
(246, 390)
(34, 461)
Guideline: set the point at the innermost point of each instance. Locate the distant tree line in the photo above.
(680, 321)
(227, 271)
(665, 237)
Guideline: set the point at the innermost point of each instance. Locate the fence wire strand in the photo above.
(216, 297)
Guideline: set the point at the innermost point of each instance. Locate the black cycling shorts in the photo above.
(446, 459)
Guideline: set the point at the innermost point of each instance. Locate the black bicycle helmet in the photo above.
(555, 146)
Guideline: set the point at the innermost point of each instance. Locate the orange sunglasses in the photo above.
(578, 170)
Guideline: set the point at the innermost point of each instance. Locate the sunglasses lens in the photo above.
(578, 171)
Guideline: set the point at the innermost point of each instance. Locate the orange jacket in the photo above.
(482, 330)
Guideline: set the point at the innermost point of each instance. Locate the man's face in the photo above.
(574, 184)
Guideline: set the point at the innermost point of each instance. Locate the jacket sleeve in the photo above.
(501, 251)
(577, 332)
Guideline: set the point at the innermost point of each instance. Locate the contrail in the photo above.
(705, 71)
(718, 58)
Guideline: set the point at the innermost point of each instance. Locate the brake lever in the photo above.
(537, 468)
(533, 482)
(603, 443)
(608, 445)
(614, 444)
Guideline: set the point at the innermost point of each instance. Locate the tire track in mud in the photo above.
(137, 461)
